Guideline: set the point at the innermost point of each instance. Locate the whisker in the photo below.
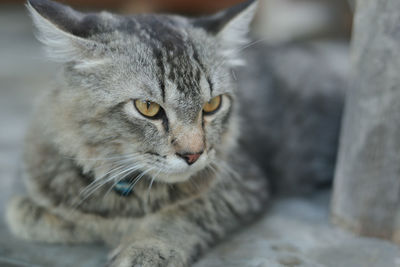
(250, 44)
(105, 158)
(140, 177)
(229, 170)
(87, 188)
(88, 193)
(119, 179)
(147, 199)
(122, 164)
(129, 170)
(240, 49)
(212, 168)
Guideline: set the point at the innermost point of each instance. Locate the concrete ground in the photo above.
(295, 232)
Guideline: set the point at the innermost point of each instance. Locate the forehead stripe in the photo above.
(197, 59)
(160, 64)
(211, 85)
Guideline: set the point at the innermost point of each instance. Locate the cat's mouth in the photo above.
(176, 170)
(173, 169)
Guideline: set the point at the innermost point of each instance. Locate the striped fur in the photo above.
(87, 136)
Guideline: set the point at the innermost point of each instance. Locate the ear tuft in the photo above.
(230, 27)
(63, 16)
(56, 26)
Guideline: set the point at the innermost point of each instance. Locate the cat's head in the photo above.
(150, 93)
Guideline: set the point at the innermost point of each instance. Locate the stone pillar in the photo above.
(366, 196)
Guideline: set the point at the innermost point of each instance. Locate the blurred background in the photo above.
(306, 34)
(278, 20)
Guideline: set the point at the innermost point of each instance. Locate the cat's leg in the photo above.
(177, 235)
(30, 221)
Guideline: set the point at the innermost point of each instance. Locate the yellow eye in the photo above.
(212, 105)
(147, 108)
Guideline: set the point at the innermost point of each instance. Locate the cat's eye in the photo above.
(147, 108)
(213, 105)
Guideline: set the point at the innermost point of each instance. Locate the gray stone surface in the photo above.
(367, 184)
(295, 232)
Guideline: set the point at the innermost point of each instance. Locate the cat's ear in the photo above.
(65, 32)
(230, 27)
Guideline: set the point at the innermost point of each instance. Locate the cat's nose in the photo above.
(189, 157)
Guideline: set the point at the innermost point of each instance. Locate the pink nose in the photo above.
(190, 158)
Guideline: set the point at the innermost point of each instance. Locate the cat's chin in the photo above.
(179, 176)
(173, 178)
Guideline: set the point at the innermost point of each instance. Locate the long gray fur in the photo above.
(87, 136)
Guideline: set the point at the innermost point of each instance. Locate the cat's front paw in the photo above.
(148, 253)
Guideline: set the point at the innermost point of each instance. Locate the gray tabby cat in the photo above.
(136, 145)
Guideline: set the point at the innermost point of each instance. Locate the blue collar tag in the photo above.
(123, 188)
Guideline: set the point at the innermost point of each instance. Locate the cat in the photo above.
(140, 144)
(136, 144)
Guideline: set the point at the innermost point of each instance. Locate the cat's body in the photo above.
(296, 94)
(101, 167)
